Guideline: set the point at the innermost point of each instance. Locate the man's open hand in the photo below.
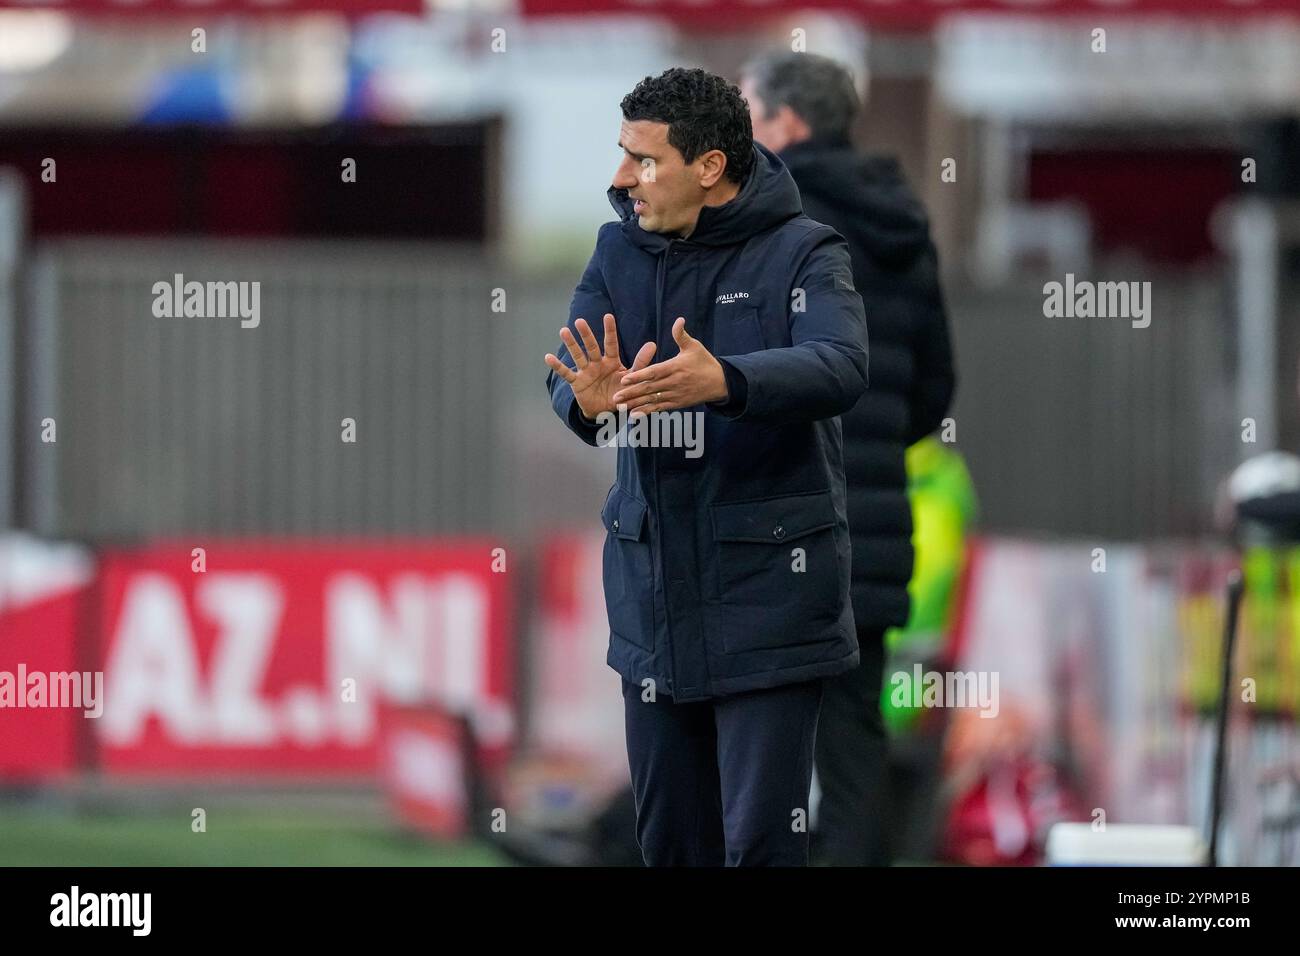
(692, 377)
(598, 374)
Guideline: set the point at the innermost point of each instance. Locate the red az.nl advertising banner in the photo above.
(280, 658)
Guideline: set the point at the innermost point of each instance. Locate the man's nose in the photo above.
(625, 176)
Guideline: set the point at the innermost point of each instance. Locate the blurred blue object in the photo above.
(189, 96)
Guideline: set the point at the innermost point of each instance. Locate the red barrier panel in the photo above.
(38, 639)
(425, 769)
(44, 679)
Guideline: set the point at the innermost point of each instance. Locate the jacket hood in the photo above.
(879, 211)
(767, 198)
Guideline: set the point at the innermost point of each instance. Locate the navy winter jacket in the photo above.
(730, 571)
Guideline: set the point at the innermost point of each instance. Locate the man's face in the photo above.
(766, 131)
(777, 131)
(668, 191)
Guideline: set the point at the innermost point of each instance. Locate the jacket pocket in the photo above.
(736, 331)
(627, 569)
(781, 579)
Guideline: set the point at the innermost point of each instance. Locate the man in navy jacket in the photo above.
(715, 309)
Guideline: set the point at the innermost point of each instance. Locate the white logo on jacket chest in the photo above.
(730, 297)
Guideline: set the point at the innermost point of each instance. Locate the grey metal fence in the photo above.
(170, 426)
(1090, 426)
(13, 226)
(185, 424)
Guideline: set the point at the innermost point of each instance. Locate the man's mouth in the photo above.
(637, 206)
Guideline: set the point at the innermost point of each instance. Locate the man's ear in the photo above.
(712, 165)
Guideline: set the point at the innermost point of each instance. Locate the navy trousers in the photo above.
(724, 781)
(852, 764)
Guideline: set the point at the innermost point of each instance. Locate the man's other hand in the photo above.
(598, 374)
(691, 377)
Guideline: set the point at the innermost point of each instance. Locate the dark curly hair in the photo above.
(703, 112)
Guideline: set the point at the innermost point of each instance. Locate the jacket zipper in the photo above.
(663, 578)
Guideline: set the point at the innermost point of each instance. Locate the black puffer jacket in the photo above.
(895, 269)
